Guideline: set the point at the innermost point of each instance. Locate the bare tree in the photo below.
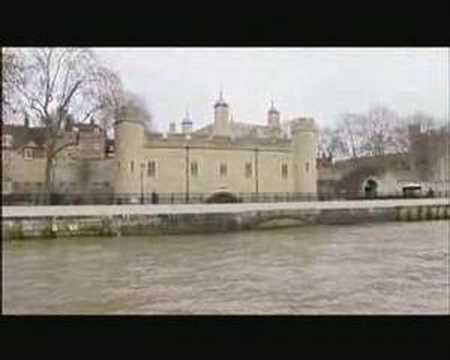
(401, 137)
(425, 121)
(350, 131)
(135, 101)
(378, 131)
(12, 78)
(63, 82)
(411, 126)
(378, 126)
(332, 143)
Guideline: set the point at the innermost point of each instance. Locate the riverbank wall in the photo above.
(21, 222)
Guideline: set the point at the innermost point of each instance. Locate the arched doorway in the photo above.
(370, 188)
(222, 196)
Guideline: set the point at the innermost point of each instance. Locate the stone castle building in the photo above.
(225, 156)
(85, 166)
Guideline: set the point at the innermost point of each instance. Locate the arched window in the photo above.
(284, 171)
(194, 168)
(307, 166)
(28, 153)
(248, 170)
(223, 169)
(132, 165)
(151, 168)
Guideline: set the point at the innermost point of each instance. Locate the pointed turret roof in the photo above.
(273, 109)
(221, 101)
(187, 119)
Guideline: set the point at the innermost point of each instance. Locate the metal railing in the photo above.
(29, 199)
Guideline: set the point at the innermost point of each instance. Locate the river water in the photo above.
(389, 268)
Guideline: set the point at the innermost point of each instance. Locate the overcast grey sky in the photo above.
(317, 82)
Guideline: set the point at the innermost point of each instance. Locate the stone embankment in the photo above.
(120, 220)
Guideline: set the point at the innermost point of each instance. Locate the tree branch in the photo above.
(58, 67)
(89, 113)
(60, 148)
(70, 95)
(46, 69)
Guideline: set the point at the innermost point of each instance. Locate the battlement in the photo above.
(303, 124)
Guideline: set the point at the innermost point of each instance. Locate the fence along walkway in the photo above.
(36, 199)
(111, 210)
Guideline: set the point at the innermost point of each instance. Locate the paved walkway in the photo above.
(109, 210)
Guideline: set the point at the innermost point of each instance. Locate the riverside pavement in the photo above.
(9, 212)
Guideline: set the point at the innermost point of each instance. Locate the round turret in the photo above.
(186, 124)
(221, 118)
(273, 117)
(129, 141)
(304, 149)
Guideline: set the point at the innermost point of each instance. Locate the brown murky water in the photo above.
(385, 268)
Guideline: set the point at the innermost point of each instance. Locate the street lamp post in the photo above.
(142, 182)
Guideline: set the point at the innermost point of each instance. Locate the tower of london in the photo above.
(225, 155)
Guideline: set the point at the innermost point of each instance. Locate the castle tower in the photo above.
(129, 141)
(273, 117)
(221, 118)
(304, 149)
(172, 128)
(273, 121)
(186, 124)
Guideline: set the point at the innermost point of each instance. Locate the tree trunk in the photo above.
(49, 179)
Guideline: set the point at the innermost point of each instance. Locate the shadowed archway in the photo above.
(222, 197)
(370, 188)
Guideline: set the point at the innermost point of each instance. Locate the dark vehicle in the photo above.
(412, 190)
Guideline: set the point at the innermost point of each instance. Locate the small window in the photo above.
(151, 168)
(7, 186)
(284, 171)
(17, 186)
(194, 168)
(248, 170)
(118, 165)
(7, 140)
(223, 169)
(28, 154)
(307, 166)
(98, 184)
(132, 166)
